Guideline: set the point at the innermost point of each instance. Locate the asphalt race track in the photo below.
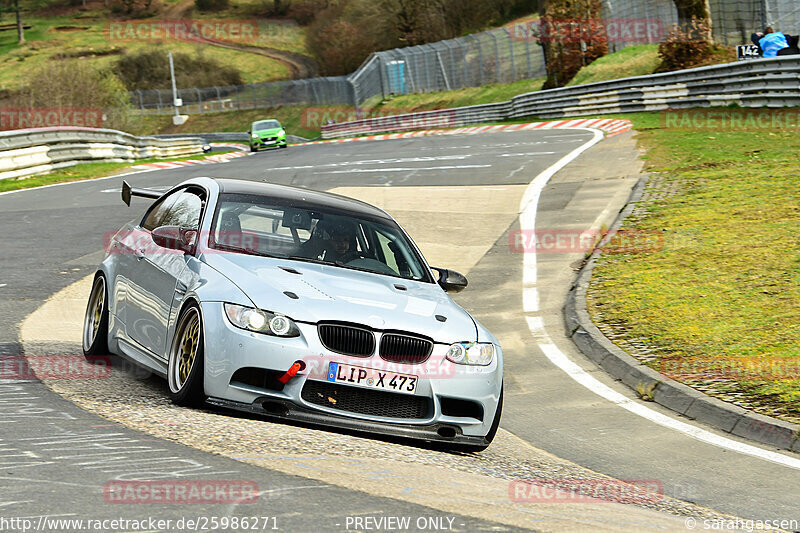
(459, 197)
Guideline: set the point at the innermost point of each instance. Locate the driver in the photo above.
(343, 244)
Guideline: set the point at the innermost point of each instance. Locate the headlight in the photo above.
(282, 132)
(471, 353)
(261, 321)
(255, 136)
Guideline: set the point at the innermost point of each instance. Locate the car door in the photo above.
(157, 278)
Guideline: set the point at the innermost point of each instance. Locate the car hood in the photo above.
(330, 293)
(273, 131)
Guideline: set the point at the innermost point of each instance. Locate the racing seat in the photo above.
(230, 233)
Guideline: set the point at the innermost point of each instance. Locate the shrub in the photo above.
(305, 11)
(343, 35)
(75, 84)
(685, 46)
(150, 70)
(211, 5)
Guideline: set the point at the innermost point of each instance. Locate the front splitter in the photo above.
(292, 412)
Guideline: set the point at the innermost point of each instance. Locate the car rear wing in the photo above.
(128, 191)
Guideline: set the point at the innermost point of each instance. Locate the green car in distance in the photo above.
(266, 134)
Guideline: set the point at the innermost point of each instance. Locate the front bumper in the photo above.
(441, 385)
(267, 142)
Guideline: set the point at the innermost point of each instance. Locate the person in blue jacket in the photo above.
(772, 43)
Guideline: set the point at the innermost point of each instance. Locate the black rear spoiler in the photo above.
(128, 191)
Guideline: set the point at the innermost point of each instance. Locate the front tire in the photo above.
(253, 148)
(185, 368)
(95, 322)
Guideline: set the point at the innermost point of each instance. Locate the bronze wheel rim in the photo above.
(94, 312)
(185, 349)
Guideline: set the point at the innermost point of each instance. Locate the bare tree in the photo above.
(565, 56)
(691, 11)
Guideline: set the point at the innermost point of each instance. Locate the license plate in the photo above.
(372, 378)
(270, 142)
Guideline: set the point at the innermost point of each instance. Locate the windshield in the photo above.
(266, 125)
(273, 227)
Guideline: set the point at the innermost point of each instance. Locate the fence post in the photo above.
(314, 90)
(410, 73)
(199, 99)
(238, 102)
(511, 55)
(528, 53)
(381, 79)
(496, 55)
(480, 57)
(427, 68)
(444, 70)
(141, 101)
(354, 90)
(158, 92)
(464, 60)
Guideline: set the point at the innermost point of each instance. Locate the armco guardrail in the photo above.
(757, 83)
(36, 151)
(440, 118)
(235, 136)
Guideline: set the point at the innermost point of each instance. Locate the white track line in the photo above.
(527, 219)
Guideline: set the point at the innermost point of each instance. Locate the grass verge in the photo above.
(293, 118)
(715, 302)
(83, 171)
(638, 60)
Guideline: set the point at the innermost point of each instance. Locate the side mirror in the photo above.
(175, 238)
(450, 280)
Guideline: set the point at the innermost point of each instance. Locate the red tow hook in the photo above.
(298, 366)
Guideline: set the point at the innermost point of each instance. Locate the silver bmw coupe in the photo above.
(295, 304)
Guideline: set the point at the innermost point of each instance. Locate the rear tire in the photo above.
(185, 370)
(95, 321)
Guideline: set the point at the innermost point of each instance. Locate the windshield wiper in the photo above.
(312, 260)
(235, 249)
